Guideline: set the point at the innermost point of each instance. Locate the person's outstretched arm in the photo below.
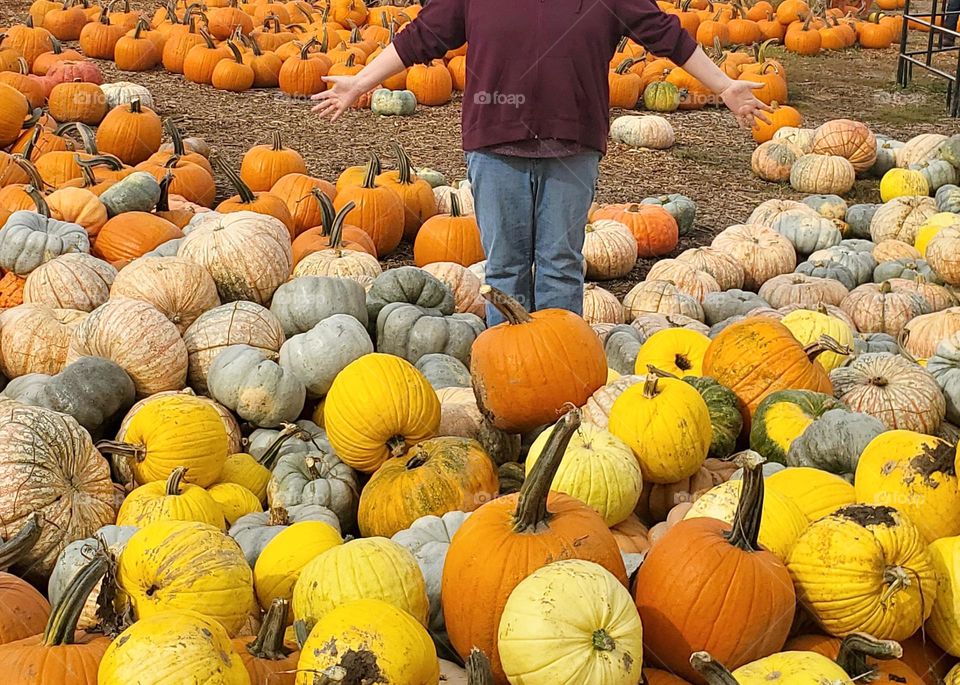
(437, 29)
(662, 34)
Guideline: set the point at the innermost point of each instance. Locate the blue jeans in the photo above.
(533, 212)
(951, 20)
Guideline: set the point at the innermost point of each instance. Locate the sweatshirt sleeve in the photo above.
(439, 28)
(657, 31)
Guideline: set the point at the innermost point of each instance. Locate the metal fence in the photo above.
(939, 40)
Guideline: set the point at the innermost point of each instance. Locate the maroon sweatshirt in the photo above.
(538, 68)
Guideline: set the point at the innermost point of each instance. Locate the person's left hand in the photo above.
(739, 98)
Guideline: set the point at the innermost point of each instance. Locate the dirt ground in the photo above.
(710, 162)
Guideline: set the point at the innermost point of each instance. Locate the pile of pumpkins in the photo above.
(829, 158)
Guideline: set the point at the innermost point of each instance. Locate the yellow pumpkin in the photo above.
(279, 565)
(172, 648)
(584, 624)
(244, 469)
(678, 351)
(903, 182)
(783, 668)
(171, 431)
(612, 375)
(234, 501)
(781, 521)
(667, 425)
(816, 493)
(597, 468)
(953, 676)
(435, 477)
(808, 326)
(175, 565)
(865, 569)
(371, 568)
(915, 474)
(931, 227)
(393, 644)
(172, 500)
(944, 623)
(365, 430)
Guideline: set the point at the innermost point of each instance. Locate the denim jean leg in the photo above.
(951, 20)
(503, 202)
(565, 189)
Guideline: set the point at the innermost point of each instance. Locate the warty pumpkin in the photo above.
(525, 369)
(916, 474)
(758, 356)
(434, 477)
(180, 565)
(172, 431)
(549, 607)
(170, 500)
(164, 644)
(388, 640)
(363, 435)
(507, 539)
(864, 568)
(678, 603)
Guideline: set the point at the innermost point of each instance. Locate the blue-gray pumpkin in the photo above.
(393, 103)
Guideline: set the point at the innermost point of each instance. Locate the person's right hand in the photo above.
(343, 91)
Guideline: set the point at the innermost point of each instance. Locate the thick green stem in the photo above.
(246, 195)
(711, 670)
(858, 647)
(745, 529)
(62, 623)
(175, 480)
(531, 511)
(478, 668)
(21, 543)
(269, 643)
(373, 170)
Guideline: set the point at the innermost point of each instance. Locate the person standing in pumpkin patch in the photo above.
(535, 120)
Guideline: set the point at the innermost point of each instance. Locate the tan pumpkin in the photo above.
(802, 290)
(601, 306)
(178, 288)
(609, 249)
(892, 249)
(139, 338)
(596, 410)
(876, 308)
(661, 297)
(922, 334)
(74, 280)
(901, 218)
(657, 499)
(772, 160)
(237, 323)
(849, 139)
(34, 338)
(762, 252)
(464, 284)
(698, 284)
(943, 255)
(725, 270)
(822, 174)
(937, 296)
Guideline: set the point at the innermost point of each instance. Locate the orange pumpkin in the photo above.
(781, 116)
(758, 355)
(528, 368)
(378, 210)
(774, 85)
(267, 659)
(248, 201)
(132, 234)
(130, 132)
(654, 227)
(264, 165)
(449, 238)
(419, 203)
(508, 538)
(23, 610)
(11, 290)
(318, 237)
(431, 83)
(725, 578)
(805, 39)
(861, 659)
(296, 190)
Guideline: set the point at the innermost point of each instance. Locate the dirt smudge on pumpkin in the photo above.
(361, 668)
(868, 515)
(933, 459)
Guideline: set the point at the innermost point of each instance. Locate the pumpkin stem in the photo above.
(855, 649)
(397, 445)
(87, 136)
(531, 511)
(163, 204)
(269, 457)
(236, 51)
(659, 373)
(43, 208)
(419, 458)
(278, 516)
(478, 668)
(327, 212)
(30, 170)
(373, 170)
(276, 141)
(650, 386)
(403, 165)
(455, 210)
(246, 195)
(62, 623)
(711, 670)
(306, 47)
(301, 632)
(511, 310)
(122, 449)
(624, 66)
(825, 344)
(745, 529)
(269, 643)
(21, 543)
(336, 229)
(602, 642)
(174, 481)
